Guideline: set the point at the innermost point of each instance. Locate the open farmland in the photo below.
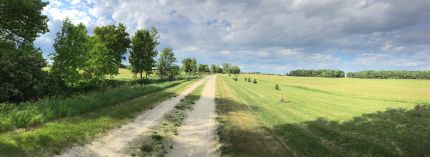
(323, 116)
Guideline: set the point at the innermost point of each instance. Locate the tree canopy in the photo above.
(166, 67)
(143, 51)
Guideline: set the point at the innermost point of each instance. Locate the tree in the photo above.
(166, 65)
(21, 63)
(194, 65)
(143, 51)
(226, 68)
(117, 40)
(189, 65)
(203, 68)
(71, 47)
(234, 70)
(99, 59)
(213, 68)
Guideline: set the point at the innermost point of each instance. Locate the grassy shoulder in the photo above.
(161, 140)
(240, 132)
(29, 114)
(54, 137)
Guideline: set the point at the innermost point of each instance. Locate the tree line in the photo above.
(390, 74)
(80, 60)
(317, 73)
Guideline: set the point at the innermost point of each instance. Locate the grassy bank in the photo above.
(29, 114)
(160, 141)
(331, 117)
(54, 137)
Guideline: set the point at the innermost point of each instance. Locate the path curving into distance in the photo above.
(118, 139)
(197, 137)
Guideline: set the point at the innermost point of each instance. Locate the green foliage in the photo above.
(143, 51)
(21, 20)
(117, 40)
(166, 67)
(21, 63)
(71, 48)
(317, 73)
(371, 74)
(226, 68)
(29, 113)
(99, 60)
(234, 70)
(203, 68)
(255, 81)
(276, 87)
(189, 65)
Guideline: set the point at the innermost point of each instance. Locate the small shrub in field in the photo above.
(282, 98)
(277, 87)
(249, 79)
(235, 78)
(255, 81)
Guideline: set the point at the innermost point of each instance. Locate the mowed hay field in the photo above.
(322, 116)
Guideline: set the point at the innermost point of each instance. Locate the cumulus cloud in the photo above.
(272, 35)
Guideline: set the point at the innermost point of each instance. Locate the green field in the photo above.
(323, 116)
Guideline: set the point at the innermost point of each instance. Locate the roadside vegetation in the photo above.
(325, 116)
(160, 141)
(55, 137)
(317, 73)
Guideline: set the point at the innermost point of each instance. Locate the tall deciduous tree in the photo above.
(117, 40)
(226, 68)
(165, 64)
(143, 51)
(71, 47)
(21, 63)
(99, 60)
(189, 65)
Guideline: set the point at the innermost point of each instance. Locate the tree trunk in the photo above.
(141, 74)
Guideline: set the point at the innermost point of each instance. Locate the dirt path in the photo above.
(118, 139)
(196, 137)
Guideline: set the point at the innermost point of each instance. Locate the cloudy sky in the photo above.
(273, 36)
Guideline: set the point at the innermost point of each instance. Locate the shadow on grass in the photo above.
(394, 132)
(241, 134)
(55, 137)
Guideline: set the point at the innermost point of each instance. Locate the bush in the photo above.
(249, 79)
(255, 81)
(276, 87)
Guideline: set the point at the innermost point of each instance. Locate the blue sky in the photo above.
(273, 36)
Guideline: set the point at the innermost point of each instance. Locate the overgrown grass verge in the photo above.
(28, 114)
(239, 131)
(54, 137)
(161, 140)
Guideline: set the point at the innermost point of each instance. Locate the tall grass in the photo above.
(32, 113)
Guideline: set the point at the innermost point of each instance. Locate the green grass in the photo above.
(332, 116)
(161, 140)
(28, 114)
(54, 137)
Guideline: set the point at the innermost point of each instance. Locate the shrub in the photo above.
(249, 79)
(277, 87)
(255, 81)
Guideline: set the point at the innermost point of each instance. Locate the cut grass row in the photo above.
(54, 137)
(339, 117)
(239, 131)
(160, 141)
(32, 113)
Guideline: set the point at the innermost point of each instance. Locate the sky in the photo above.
(271, 36)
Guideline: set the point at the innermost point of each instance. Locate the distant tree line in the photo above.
(387, 74)
(317, 73)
